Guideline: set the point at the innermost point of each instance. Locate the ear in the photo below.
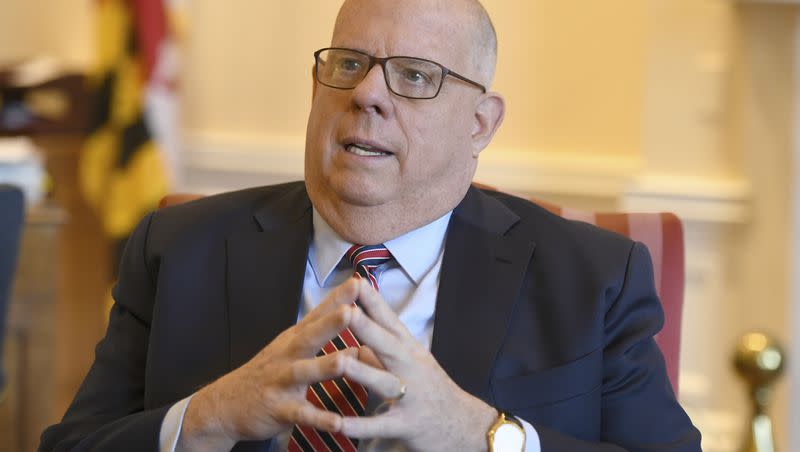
(489, 114)
(313, 83)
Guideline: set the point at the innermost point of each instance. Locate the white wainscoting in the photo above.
(218, 162)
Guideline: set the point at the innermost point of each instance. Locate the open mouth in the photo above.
(366, 150)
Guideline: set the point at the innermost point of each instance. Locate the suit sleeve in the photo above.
(639, 409)
(108, 411)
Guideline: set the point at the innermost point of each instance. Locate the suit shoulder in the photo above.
(224, 213)
(550, 230)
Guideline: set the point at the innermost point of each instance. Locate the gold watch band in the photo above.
(504, 418)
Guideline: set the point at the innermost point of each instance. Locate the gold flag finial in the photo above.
(759, 360)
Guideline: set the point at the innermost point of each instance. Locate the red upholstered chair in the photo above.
(177, 198)
(663, 235)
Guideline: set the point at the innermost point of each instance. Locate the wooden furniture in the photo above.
(64, 271)
(30, 344)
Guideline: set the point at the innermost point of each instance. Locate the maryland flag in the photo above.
(124, 170)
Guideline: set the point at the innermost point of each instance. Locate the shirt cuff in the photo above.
(171, 426)
(532, 443)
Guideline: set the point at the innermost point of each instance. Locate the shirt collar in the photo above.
(416, 251)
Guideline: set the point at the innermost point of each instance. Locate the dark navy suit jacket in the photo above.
(549, 319)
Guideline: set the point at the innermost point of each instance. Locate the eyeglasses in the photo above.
(413, 78)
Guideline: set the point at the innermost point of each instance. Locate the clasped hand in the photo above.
(267, 395)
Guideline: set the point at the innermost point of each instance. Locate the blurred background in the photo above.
(686, 106)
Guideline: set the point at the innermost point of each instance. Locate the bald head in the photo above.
(469, 26)
(484, 39)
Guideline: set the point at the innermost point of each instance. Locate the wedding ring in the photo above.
(387, 404)
(402, 393)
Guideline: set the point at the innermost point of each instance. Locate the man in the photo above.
(486, 322)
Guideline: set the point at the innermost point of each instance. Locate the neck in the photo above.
(372, 225)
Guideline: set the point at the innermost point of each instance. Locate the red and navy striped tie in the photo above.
(341, 395)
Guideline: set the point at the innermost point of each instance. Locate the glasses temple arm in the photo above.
(464, 79)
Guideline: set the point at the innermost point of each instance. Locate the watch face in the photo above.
(508, 438)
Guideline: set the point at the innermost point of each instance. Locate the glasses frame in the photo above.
(382, 62)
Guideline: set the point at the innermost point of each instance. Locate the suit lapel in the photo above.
(265, 274)
(484, 262)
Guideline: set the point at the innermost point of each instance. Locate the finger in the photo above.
(387, 425)
(368, 357)
(344, 294)
(378, 381)
(309, 337)
(387, 347)
(379, 311)
(307, 371)
(304, 413)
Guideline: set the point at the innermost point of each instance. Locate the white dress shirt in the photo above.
(409, 285)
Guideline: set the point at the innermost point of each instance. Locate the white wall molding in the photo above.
(230, 153)
(713, 199)
(218, 162)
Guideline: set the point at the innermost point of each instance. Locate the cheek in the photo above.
(439, 145)
(320, 129)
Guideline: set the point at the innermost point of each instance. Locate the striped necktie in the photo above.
(341, 395)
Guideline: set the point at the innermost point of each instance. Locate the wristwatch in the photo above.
(506, 435)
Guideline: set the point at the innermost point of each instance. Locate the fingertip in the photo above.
(319, 419)
(357, 310)
(347, 355)
(357, 316)
(346, 427)
(359, 283)
(365, 292)
(367, 355)
(349, 290)
(338, 363)
(344, 316)
(368, 287)
(335, 423)
(346, 292)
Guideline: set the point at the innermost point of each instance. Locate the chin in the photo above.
(361, 198)
(359, 191)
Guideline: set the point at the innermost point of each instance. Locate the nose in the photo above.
(372, 94)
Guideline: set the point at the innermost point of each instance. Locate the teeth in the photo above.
(364, 150)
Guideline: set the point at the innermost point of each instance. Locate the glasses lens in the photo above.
(341, 68)
(415, 78)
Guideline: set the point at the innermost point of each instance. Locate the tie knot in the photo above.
(366, 258)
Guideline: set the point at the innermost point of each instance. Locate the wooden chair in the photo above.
(662, 233)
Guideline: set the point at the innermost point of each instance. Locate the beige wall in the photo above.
(60, 28)
(572, 70)
(764, 134)
(687, 98)
(248, 68)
